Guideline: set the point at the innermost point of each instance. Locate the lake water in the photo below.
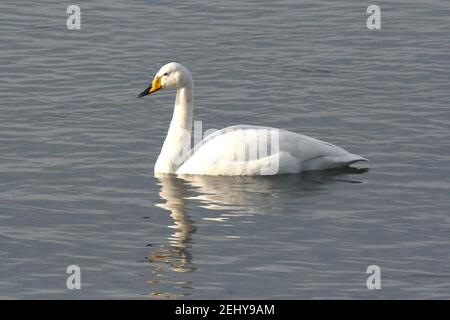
(77, 150)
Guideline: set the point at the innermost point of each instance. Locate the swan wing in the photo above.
(257, 150)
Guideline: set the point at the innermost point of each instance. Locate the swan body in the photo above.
(240, 150)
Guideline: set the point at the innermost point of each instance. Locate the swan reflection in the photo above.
(229, 197)
(251, 195)
(173, 192)
(176, 256)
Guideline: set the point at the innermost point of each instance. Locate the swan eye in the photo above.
(165, 74)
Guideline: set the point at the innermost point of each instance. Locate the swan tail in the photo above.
(331, 162)
(351, 159)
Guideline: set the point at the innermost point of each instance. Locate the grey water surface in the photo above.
(77, 150)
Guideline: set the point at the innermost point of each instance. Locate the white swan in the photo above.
(236, 150)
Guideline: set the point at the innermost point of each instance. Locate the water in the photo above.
(77, 150)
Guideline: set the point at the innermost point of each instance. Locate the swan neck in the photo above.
(177, 145)
(183, 109)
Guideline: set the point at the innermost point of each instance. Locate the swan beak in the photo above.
(155, 86)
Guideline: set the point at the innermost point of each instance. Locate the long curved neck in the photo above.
(177, 144)
(182, 113)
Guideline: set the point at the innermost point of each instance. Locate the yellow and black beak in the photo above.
(155, 86)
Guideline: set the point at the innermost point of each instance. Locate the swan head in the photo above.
(172, 75)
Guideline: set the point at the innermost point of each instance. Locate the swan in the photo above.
(240, 150)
